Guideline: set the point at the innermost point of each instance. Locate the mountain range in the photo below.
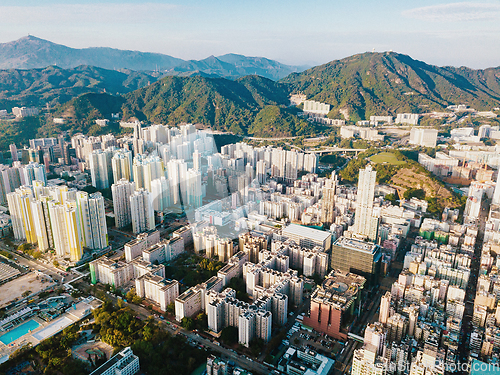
(355, 87)
(389, 83)
(53, 85)
(31, 52)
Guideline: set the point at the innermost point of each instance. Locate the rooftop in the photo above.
(299, 230)
(357, 245)
(127, 352)
(339, 289)
(191, 292)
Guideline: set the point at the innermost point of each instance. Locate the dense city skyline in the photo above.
(449, 33)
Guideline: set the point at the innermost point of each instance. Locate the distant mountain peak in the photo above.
(29, 52)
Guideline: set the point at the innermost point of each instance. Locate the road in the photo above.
(335, 149)
(346, 357)
(240, 360)
(24, 260)
(270, 139)
(470, 293)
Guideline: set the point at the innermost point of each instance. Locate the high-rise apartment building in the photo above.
(177, 172)
(192, 193)
(21, 215)
(496, 193)
(66, 230)
(142, 214)
(73, 232)
(160, 194)
(157, 289)
(121, 192)
(385, 305)
(366, 361)
(261, 172)
(365, 223)
(246, 328)
(147, 169)
(41, 219)
(328, 201)
(124, 362)
(32, 172)
(92, 220)
(101, 171)
(121, 163)
(13, 152)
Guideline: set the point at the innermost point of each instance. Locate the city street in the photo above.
(240, 360)
(345, 359)
(470, 293)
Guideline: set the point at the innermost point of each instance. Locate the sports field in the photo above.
(386, 157)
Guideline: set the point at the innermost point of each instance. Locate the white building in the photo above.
(124, 362)
(121, 164)
(142, 214)
(101, 171)
(423, 137)
(407, 118)
(121, 192)
(246, 328)
(316, 108)
(92, 219)
(157, 289)
(147, 169)
(365, 223)
(369, 134)
(160, 193)
(188, 303)
(367, 362)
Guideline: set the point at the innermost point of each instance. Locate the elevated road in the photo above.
(335, 149)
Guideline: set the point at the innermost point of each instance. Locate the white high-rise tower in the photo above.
(121, 191)
(142, 213)
(496, 194)
(365, 224)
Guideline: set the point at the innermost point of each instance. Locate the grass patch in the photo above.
(387, 157)
(200, 369)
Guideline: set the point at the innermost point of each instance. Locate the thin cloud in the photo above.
(456, 12)
(87, 13)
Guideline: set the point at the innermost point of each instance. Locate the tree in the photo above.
(187, 323)
(417, 193)
(229, 335)
(55, 263)
(171, 308)
(256, 346)
(202, 321)
(391, 198)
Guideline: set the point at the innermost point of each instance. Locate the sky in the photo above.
(292, 32)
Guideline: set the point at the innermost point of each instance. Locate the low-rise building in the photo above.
(124, 362)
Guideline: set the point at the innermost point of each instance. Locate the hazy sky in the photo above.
(294, 32)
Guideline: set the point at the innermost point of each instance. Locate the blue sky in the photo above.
(294, 32)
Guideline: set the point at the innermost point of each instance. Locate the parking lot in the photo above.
(13, 290)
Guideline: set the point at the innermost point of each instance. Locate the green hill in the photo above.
(236, 106)
(53, 85)
(389, 83)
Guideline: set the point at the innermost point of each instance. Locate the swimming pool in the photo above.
(20, 331)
